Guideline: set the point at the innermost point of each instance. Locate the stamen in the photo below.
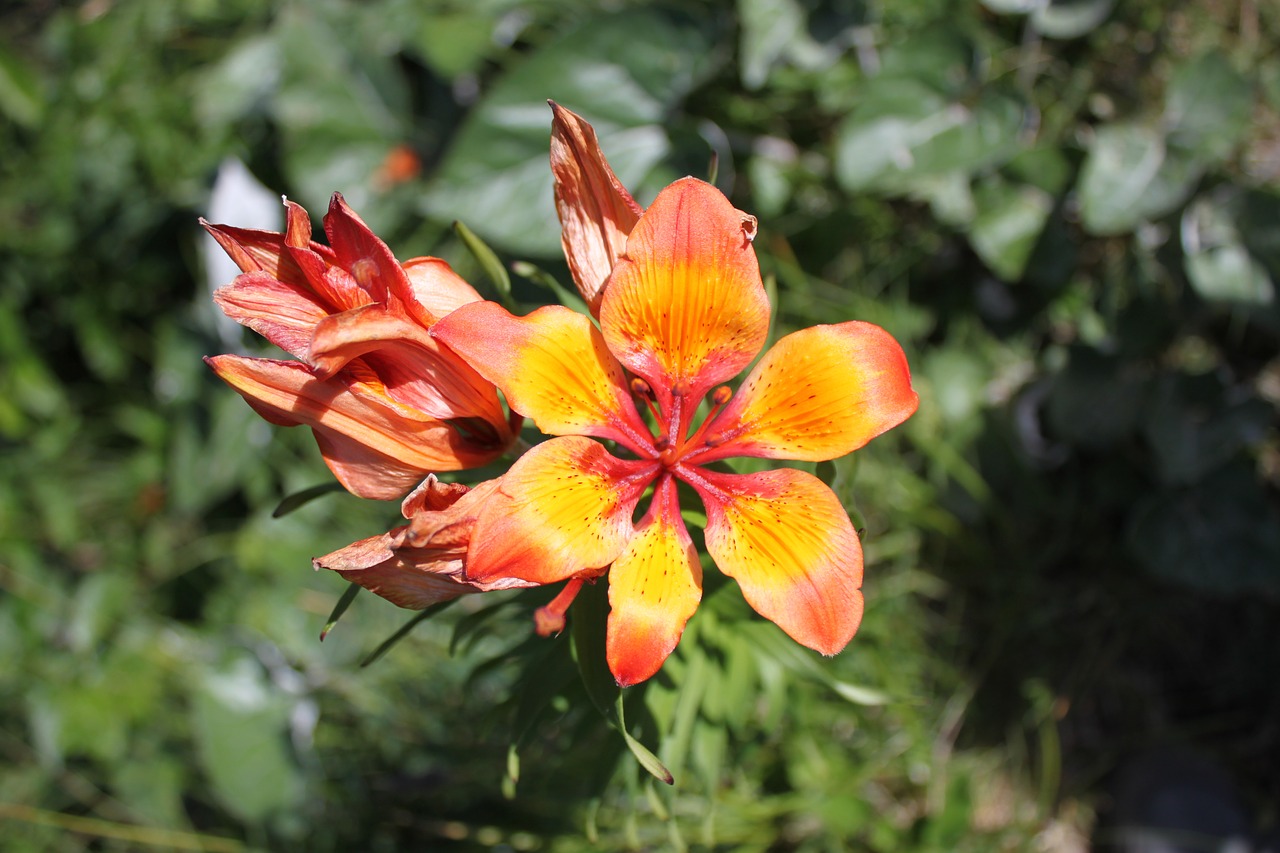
(719, 397)
(549, 619)
(663, 442)
(642, 390)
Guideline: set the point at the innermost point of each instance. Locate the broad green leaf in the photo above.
(1194, 426)
(769, 28)
(1217, 263)
(905, 131)
(1208, 108)
(1010, 219)
(1068, 19)
(20, 96)
(1130, 177)
(1220, 535)
(240, 725)
(1094, 402)
(622, 71)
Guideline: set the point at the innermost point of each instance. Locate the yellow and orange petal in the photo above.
(654, 587)
(596, 211)
(685, 307)
(817, 394)
(376, 447)
(563, 510)
(553, 367)
(786, 539)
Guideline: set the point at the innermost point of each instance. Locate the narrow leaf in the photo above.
(488, 261)
(340, 608)
(300, 499)
(539, 276)
(404, 631)
(647, 759)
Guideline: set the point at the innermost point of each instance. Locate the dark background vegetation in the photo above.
(1068, 212)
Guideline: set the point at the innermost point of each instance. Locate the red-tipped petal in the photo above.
(817, 394)
(553, 367)
(375, 446)
(596, 211)
(685, 308)
(564, 509)
(788, 542)
(654, 587)
(371, 263)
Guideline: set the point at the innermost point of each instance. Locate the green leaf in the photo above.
(590, 618)
(240, 727)
(647, 759)
(770, 29)
(1130, 177)
(489, 262)
(1217, 263)
(624, 71)
(1208, 108)
(1220, 535)
(1010, 219)
(904, 131)
(387, 644)
(20, 96)
(297, 500)
(348, 596)
(539, 276)
(1068, 19)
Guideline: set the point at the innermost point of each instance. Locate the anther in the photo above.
(721, 395)
(641, 388)
(663, 442)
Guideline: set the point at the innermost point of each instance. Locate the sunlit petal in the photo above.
(786, 539)
(564, 509)
(553, 367)
(376, 447)
(436, 287)
(596, 211)
(282, 312)
(654, 587)
(685, 308)
(817, 394)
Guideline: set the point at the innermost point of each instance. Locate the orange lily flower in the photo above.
(684, 310)
(386, 402)
(421, 563)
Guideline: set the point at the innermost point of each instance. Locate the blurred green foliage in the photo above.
(1069, 212)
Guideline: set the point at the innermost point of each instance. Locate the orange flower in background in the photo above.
(683, 311)
(386, 402)
(421, 563)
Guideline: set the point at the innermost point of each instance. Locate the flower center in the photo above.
(672, 451)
